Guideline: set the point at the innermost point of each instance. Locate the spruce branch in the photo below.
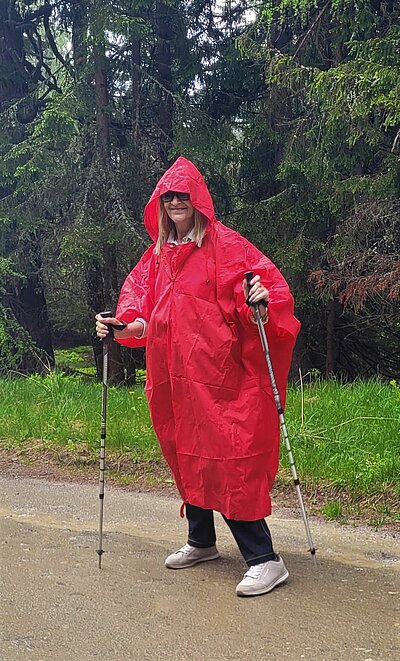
(311, 28)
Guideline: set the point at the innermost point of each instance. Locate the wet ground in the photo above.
(57, 605)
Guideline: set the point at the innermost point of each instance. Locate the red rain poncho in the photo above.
(208, 388)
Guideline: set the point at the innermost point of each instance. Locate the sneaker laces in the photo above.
(255, 570)
(186, 548)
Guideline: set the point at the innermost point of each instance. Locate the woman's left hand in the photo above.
(257, 291)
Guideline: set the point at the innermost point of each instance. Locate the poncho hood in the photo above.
(184, 177)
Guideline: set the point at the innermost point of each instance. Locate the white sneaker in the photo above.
(188, 556)
(262, 578)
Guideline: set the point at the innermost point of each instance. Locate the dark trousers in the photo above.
(252, 537)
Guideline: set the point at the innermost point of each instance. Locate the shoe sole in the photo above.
(255, 593)
(193, 562)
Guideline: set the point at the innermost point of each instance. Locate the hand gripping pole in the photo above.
(263, 337)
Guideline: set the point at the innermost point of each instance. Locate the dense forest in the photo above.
(290, 108)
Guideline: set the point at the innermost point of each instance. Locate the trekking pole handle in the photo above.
(112, 327)
(249, 275)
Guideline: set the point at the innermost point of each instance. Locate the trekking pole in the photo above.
(106, 345)
(249, 276)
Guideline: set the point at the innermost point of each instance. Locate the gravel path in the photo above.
(57, 605)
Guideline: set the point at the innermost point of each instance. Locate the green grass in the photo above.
(333, 509)
(64, 410)
(343, 436)
(346, 435)
(79, 358)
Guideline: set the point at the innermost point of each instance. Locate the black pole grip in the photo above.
(108, 313)
(249, 275)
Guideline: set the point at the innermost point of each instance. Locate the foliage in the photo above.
(365, 258)
(291, 111)
(332, 70)
(78, 358)
(16, 346)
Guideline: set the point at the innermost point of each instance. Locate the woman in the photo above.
(208, 389)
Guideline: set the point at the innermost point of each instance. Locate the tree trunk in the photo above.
(79, 11)
(27, 301)
(136, 84)
(103, 156)
(332, 348)
(164, 28)
(13, 83)
(102, 109)
(26, 297)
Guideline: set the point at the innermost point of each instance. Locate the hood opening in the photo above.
(182, 176)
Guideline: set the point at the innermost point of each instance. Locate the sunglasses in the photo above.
(169, 196)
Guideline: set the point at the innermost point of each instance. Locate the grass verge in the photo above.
(345, 438)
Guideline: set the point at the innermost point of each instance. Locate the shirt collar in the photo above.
(186, 239)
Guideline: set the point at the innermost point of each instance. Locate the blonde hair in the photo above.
(166, 226)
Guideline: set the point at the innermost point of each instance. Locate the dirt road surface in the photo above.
(57, 605)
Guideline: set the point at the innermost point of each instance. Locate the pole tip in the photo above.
(99, 553)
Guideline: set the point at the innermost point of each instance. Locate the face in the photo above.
(180, 211)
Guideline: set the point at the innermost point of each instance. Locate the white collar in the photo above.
(186, 239)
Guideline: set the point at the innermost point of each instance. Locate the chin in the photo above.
(180, 218)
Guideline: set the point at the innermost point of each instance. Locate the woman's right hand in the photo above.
(101, 325)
